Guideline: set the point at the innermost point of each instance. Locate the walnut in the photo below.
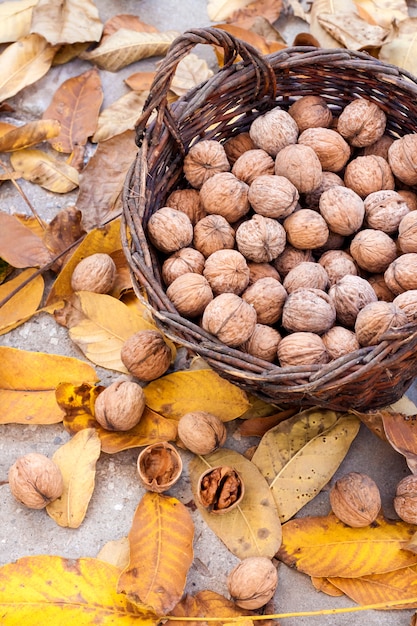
(226, 271)
(201, 432)
(405, 501)
(190, 294)
(302, 348)
(373, 250)
(366, 174)
(355, 499)
(379, 147)
(273, 196)
(306, 274)
(342, 209)
(306, 229)
(407, 301)
(340, 341)
(230, 319)
(273, 130)
(253, 163)
(189, 202)
(261, 270)
(35, 480)
(334, 241)
(375, 319)
(311, 112)
(290, 257)
(260, 239)
(410, 198)
(159, 466)
(337, 264)
(220, 489)
(332, 150)
(213, 233)
(146, 355)
(203, 160)
(407, 232)
(225, 195)
(401, 274)
(301, 165)
(120, 406)
(169, 229)
(252, 582)
(362, 122)
(267, 296)
(263, 343)
(402, 157)
(380, 287)
(384, 210)
(237, 145)
(96, 273)
(349, 295)
(329, 179)
(308, 310)
(181, 262)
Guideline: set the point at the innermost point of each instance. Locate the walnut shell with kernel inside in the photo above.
(355, 499)
(201, 432)
(120, 406)
(252, 582)
(96, 273)
(35, 480)
(146, 355)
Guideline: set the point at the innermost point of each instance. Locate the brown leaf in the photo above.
(305, 39)
(401, 432)
(352, 31)
(29, 134)
(258, 426)
(204, 604)
(76, 105)
(123, 282)
(66, 21)
(124, 20)
(120, 116)
(64, 230)
(19, 246)
(265, 47)
(41, 168)
(268, 9)
(140, 81)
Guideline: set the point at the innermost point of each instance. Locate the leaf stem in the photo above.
(24, 196)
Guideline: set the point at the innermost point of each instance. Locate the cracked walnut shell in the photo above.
(220, 489)
(146, 355)
(201, 432)
(230, 319)
(355, 499)
(35, 480)
(120, 406)
(96, 273)
(252, 582)
(159, 466)
(203, 160)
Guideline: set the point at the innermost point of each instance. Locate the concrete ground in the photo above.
(117, 492)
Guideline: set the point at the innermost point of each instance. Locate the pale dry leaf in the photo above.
(298, 10)
(128, 46)
(261, 26)
(382, 12)
(15, 18)
(219, 10)
(330, 7)
(66, 21)
(120, 116)
(352, 31)
(40, 168)
(402, 50)
(125, 20)
(245, 17)
(190, 72)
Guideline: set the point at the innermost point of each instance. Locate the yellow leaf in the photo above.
(120, 116)
(219, 10)
(23, 304)
(253, 527)
(19, 245)
(42, 169)
(324, 585)
(72, 21)
(402, 50)
(324, 546)
(382, 12)
(128, 46)
(205, 604)
(190, 72)
(15, 18)
(330, 7)
(29, 134)
(161, 553)
(199, 390)
(25, 62)
(28, 381)
(42, 590)
(116, 552)
(77, 461)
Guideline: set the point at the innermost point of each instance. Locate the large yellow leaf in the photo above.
(28, 381)
(120, 116)
(253, 527)
(327, 6)
(42, 590)
(41, 168)
(219, 10)
(402, 50)
(15, 17)
(29, 134)
(67, 21)
(76, 105)
(23, 304)
(324, 546)
(198, 390)
(23, 63)
(382, 12)
(19, 245)
(77, 461)
(206, 604)
(127, 46)
(161, 553)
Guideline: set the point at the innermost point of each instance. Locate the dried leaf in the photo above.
(140, 81)
(190, 72)
(161, 553)
(402, 50)
(29, 134)
(115, 552)
(205, 604)
(258, 426)
(329, 7)
(77, 461)
(42, 169)
(200, 390)
(268, 9)
(120, 116)
(15, 18)
(250, 37)
(401, 433)
(382, 12)
(19, 246)
(219, 10)
(253, 527)
(298, 10)
(324, 585)
(128, 46)
(69, 52)
(5, 127)
(131, 22)
(324, 546)
(45, 589)
(76, 105)
(63, 230)
(353, 32)
(123, 282)
(23, 304)
(28, 381)
(66, 21)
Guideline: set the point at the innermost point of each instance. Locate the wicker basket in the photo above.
(219, 108)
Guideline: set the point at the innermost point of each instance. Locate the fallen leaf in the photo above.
(39, 590)
(324, 585)
(190, 72)
(66, 21)
(258, 426)
(120, 116)
(253, 527)
(261, 26)
(205, 604)
(324, 546)
(29, 134)
(382, 12)
(26, 61)
(298, 11)
(77, 461)
(15, 18)
(401, 432)
(199, 390)
(28, 381)
(402, 50)
(64, 230)
(19, 246)
(352, 31)
(140, 81)
(268, 9)
(219, 10)
(69, 52)
(115, 552)
(128, 46)
(5, 270)
(250, 37)
(5, 127)
(23, 304)
(123, 282)
(41, 168)
(125, 20)
(329, 7)
(76, 105)
(161, 553)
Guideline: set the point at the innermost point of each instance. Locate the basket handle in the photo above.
(265, 81)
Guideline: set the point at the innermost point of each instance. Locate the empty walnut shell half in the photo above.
(220, 489)
(159, 466)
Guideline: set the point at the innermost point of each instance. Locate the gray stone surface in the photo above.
(117, 493)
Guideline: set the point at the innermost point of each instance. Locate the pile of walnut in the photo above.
(296, 242)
